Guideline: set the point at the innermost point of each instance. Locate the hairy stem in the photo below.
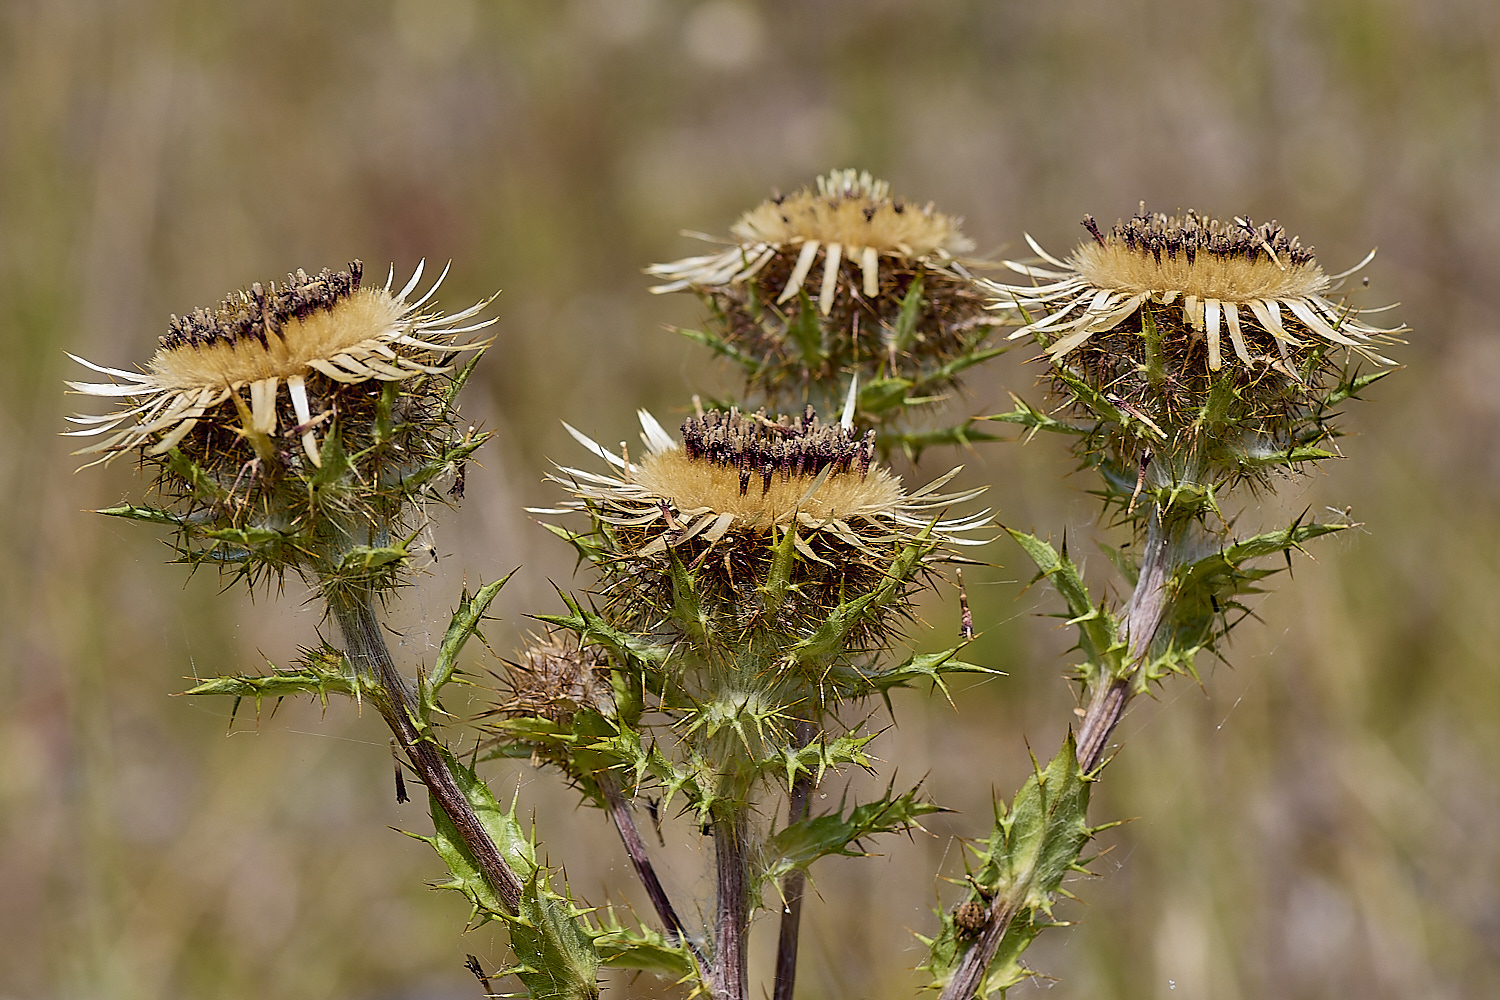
(365, 648)
(729, 976)
(635, 847)
(792, 886)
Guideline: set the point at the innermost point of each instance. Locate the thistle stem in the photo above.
(635, 848)
(365, 648)
(729, 976)
(792, 886)
(971, 968)
(1148, 607)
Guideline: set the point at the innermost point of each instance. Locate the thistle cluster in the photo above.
(299, 425)
(842, 282)
(750, 576)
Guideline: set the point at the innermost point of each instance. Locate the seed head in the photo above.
(555, 679)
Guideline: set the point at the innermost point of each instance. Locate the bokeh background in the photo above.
(1316, 820)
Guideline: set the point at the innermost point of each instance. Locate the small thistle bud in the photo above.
(554, 679)
(841, 280)
(1205, 340)
(295, 422)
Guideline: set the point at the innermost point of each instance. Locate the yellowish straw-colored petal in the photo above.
(799, 271)
(831, 259)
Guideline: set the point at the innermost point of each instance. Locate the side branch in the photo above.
(635, 848)
(367, 652)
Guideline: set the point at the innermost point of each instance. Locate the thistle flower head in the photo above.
(297, 424)
(776, 520)
(313, 334)
(743, 476)
(1211, 340)
(1218, 281)
(841, 279)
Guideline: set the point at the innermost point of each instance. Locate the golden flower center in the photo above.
(364, 315)
(853, 211)
(1226, 277)
(696, 484)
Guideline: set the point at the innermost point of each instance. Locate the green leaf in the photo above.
(626, 750)
(904, 333)
(1102, 408)
(322, 673)
(687, 602)
(593, 629)
(363, 558)
(459, 379)
(779, 576)
(1034, 845)
(1033, 419)
(586, 544)
(515, 848)
(919, 667)
(151, 515)
(556, 957)
(816, 758)
(724, 348)
(797, 846)
(463, 624)
(883, 394)
(643, 948)
(1098, 630)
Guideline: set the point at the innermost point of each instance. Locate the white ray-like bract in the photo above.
(256, 342)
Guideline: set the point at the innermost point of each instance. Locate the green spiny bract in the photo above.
(838, 282)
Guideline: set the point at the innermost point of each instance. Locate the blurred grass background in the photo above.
(1317, 821)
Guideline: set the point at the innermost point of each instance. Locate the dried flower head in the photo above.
(314, 334)
(738, 489)
(555, 679)
(325, 476)
(839, 279)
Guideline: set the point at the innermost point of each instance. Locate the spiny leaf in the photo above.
(904, 333)
(151, 515)
(797, 846)
(464, 623)
(642, 948)
(1030, 417)
(1098, 630)
(1035, 843)
(556, 958)
(724, 348)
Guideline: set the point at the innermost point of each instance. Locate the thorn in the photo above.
(965, 618)
(401, 796)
